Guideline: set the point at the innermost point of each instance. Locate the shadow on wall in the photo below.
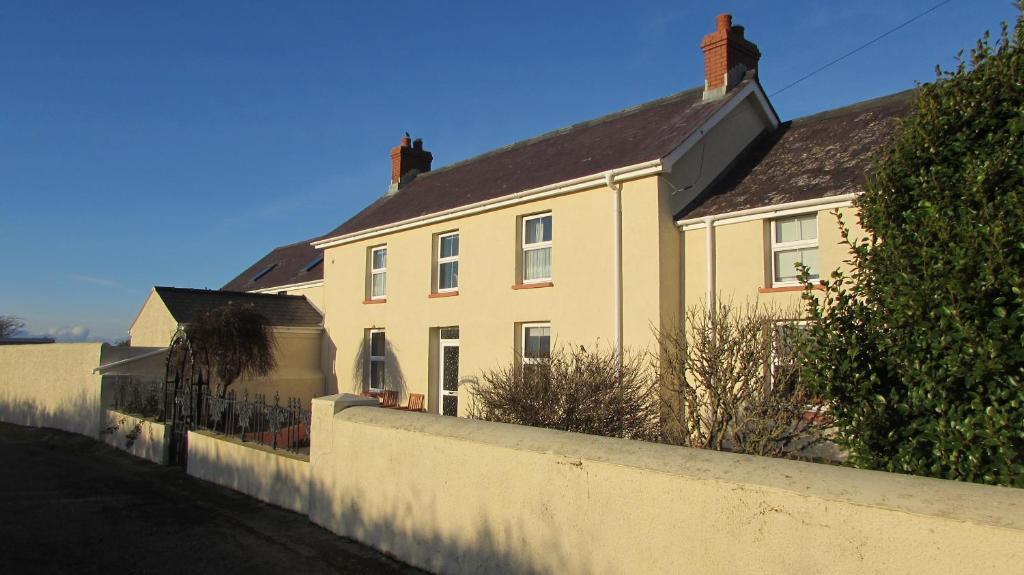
(329, 357)
(78, 413)
(271, 477)
(394, 378)
(497, 545)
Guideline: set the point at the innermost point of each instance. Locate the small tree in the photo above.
(574, 390)
(730, 382)
(10, 325)
(231, 341)
(919, 349)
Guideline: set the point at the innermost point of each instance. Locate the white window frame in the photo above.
(777, 246)
(525, 247)
(376, 359)
(445, 260)
(522, 342)
(382, 271)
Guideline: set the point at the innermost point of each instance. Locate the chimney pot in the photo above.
(728, 56)
(724, 22)
(407, 160)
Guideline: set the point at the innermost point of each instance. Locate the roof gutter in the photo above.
(763, 212)
(598, 180)
(289, 287)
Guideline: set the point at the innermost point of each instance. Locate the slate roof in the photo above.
(827, 154)
(289, 264)
(647, 132)
(186, 304)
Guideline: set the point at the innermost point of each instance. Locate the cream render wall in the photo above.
(52, 385)
(299, 372)
(742, 260)
(272, 476)
(579, 306)
(154, 326)
(573, 503)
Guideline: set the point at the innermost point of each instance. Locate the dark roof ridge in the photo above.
(227, 292)
(559, 131)
(862, 105)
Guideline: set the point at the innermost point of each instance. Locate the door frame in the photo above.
(441, 392)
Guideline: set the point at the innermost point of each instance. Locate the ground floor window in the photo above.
(535, 347)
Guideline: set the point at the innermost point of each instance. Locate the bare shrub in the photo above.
(729, 381)
(575, 389)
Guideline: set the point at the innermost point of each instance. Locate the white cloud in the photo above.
(69, 333)
(96, 281)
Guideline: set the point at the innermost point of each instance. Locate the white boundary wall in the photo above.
(51, 385)
(460, 496)
(272, 476)
(139, 436)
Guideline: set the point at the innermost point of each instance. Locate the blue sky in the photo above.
(146, 143)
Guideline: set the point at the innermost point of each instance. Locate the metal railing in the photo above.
(271, 424)
(250, 420)
(140, 396)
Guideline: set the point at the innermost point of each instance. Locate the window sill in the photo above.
(787, 288)
(443, 294)
(534, 285)
(371, 301)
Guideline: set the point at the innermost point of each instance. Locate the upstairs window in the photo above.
(537, 248)
(378, 272)
(448, 262)
(376, 375)
(794, 241)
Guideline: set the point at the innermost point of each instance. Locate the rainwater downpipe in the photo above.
(709, 222)
(616, 189)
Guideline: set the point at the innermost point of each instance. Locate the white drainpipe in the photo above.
(709, 221)
(617, 261)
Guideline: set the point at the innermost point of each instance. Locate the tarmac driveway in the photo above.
(69, 504)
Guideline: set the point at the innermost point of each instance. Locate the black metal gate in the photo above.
(185, 411)
(184, 388)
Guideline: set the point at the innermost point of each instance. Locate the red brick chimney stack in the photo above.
(727, 57)
(408, 159)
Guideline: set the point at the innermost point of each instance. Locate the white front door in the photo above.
(448, 378)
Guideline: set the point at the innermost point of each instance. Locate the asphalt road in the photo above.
(69, 504)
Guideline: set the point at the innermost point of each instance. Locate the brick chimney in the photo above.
(727, 57)
(408, 159)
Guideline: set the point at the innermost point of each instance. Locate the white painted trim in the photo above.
(561, 188)
(752, 88)
(289, 287)
(447, 260)
(128, 360)
(382, 271)
(376, 358)
(766, 212)
(525, 247)
(522, 341)
(776, 246)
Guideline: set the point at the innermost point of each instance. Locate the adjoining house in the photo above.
(595, 234)
(297, 327)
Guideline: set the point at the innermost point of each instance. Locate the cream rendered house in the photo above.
(596, 234)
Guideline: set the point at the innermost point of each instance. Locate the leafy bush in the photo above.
(920, 348)
(574, 390)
